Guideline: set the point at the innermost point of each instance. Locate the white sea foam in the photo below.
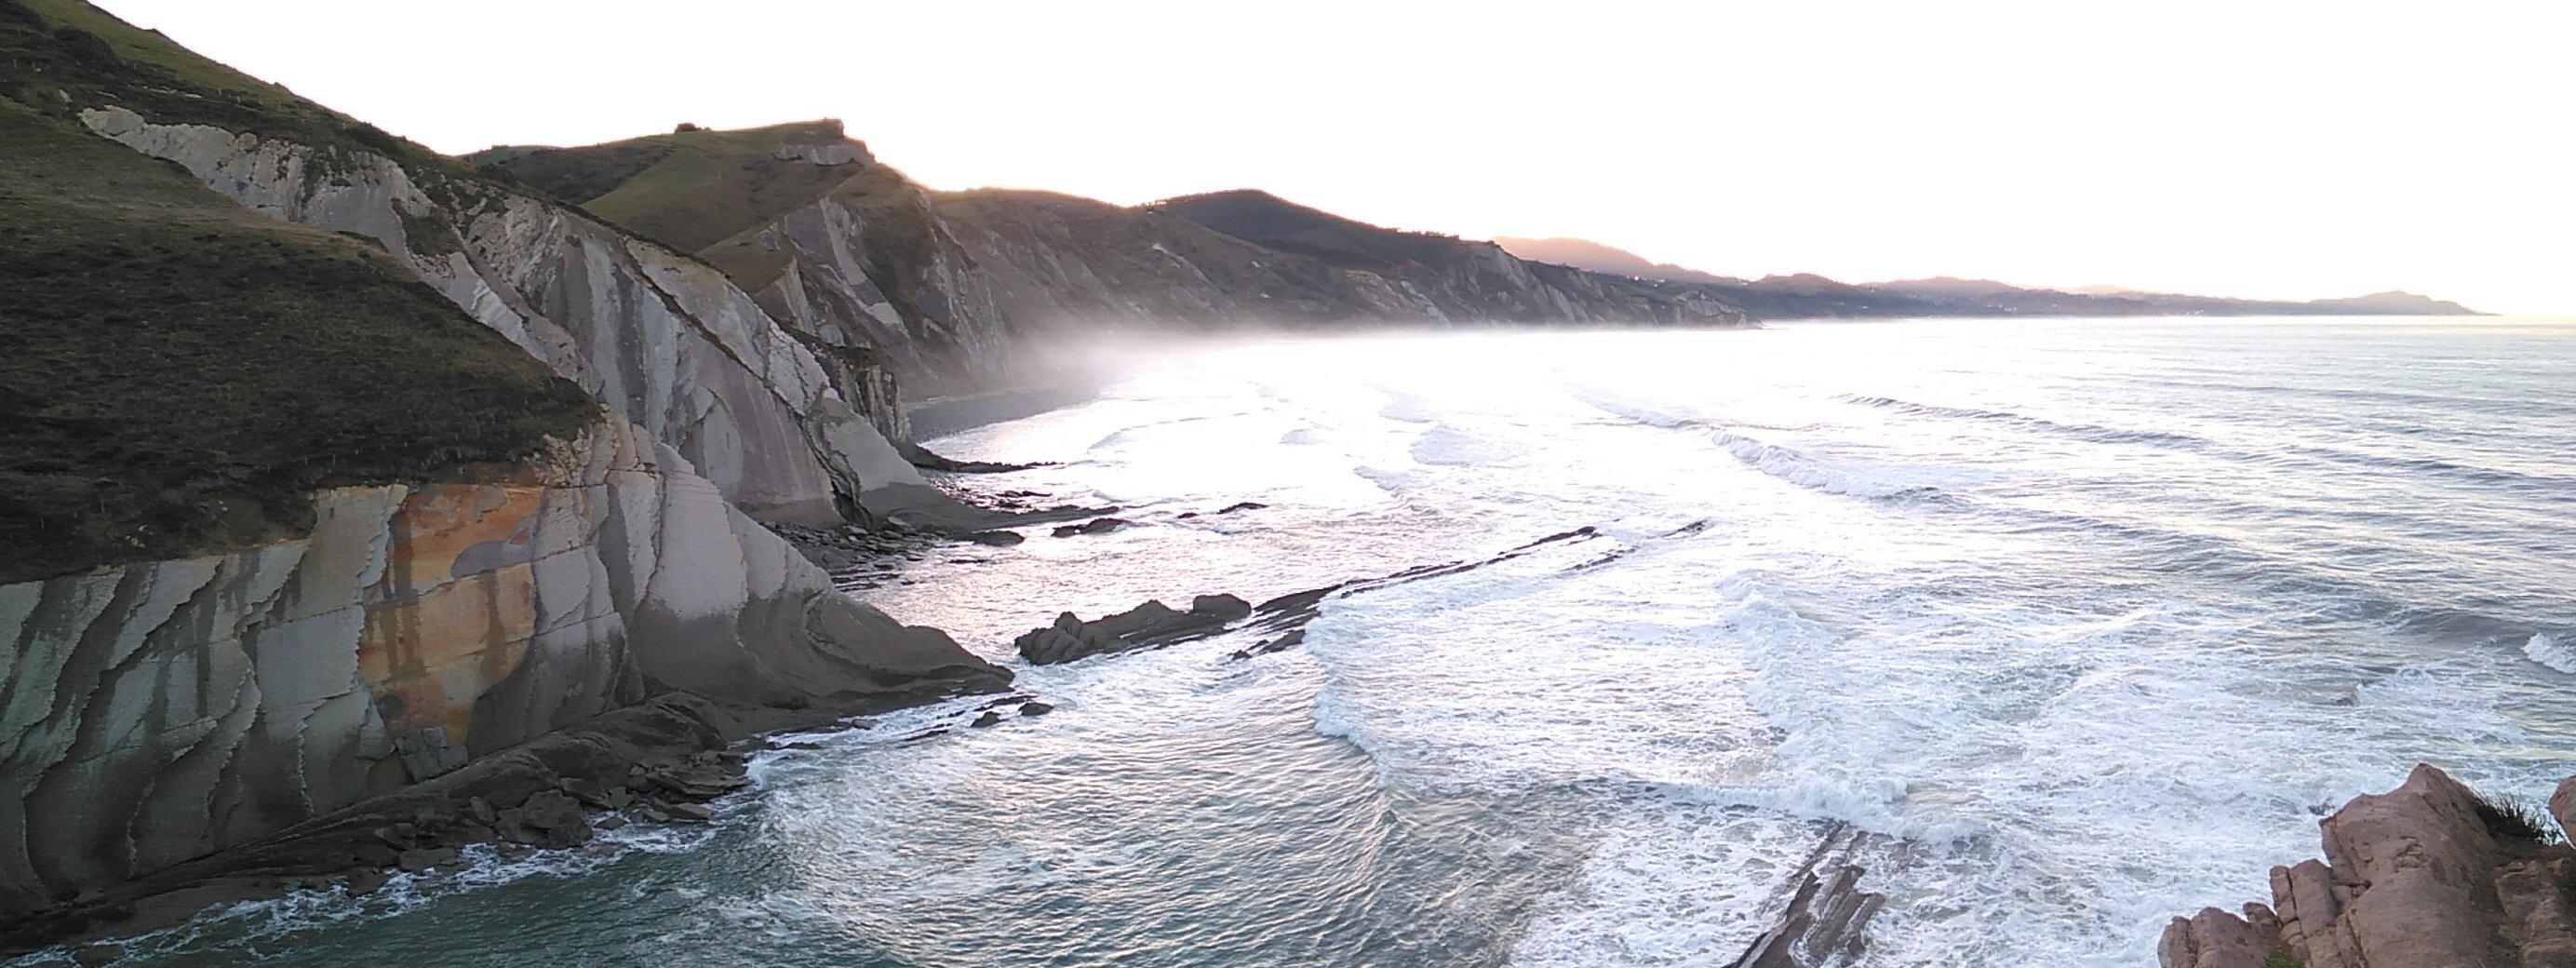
(1798, 468)
(2050, 733)
(1447, 445)
(2547, 650)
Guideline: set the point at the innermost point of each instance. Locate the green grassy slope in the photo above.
(176, 372)
(688, 189)
(57, 56)
(1271, 222)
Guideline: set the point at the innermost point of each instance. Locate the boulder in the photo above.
(2427, 874)
(1093, 526)
(422, 860)
(549, 819)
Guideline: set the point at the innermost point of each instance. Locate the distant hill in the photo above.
(1587, 254)
(2394, 301)
(1272, 222)
(1809, 296)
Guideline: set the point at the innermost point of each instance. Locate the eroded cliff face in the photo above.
(156, 713)
(957, 287)
(954, 290)
(666, 341)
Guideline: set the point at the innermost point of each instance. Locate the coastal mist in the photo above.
(2058, 628)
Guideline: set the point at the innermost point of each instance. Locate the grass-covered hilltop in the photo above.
(177, 373)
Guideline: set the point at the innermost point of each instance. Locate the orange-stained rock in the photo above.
(447, 531)
(443, 650)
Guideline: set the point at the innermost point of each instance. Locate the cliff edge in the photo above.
(357, 502)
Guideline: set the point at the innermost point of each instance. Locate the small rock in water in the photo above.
(92, 956)
(997, 539)
(420, 861)
(696, 812)
(1035, 708)
(610, 822)
(1093, 526)
(989, 718)
(363, 883)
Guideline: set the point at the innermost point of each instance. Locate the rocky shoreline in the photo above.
(2429, 874)
(660, 761)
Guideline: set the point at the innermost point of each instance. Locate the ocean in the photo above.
(2063, 627)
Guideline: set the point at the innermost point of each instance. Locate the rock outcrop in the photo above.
(1826, 919)
(162, 712)
(2429, 874)
(666, 341)
(1146, 626)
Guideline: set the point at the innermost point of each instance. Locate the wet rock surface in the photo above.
(660, 761)
(2427, 874)
(1145, 626)
(1093, 526)
(1824, 921)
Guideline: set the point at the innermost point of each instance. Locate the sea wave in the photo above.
(2547, 650)
(1797, 468)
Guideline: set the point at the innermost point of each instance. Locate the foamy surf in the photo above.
(2105, 678)
(2548, 650)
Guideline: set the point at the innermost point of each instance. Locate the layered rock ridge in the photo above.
(964, 290)
(666, 341)
(2428, 874)
(160, 712)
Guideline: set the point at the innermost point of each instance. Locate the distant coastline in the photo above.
(1810, 296)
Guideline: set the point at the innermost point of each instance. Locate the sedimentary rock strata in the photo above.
(162, 712)
(666, 342)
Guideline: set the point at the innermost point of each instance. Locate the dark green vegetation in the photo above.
(1272, 222)
(176, 372)
(59, 56)
(689, 189)
(707, 192)
(2281, 959)
(2518, 820)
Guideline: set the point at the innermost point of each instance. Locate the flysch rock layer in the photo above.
(957, 289)
(155, 713)
(2419, 877)
(666, 341)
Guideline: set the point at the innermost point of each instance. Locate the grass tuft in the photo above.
(2517, 819)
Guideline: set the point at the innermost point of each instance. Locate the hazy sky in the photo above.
(2238, 148)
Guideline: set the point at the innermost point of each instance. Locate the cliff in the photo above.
(2427, 874)
(352, 481)
(157, 713)
(954, 288)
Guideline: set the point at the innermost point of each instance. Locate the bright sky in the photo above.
(2233, 148)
